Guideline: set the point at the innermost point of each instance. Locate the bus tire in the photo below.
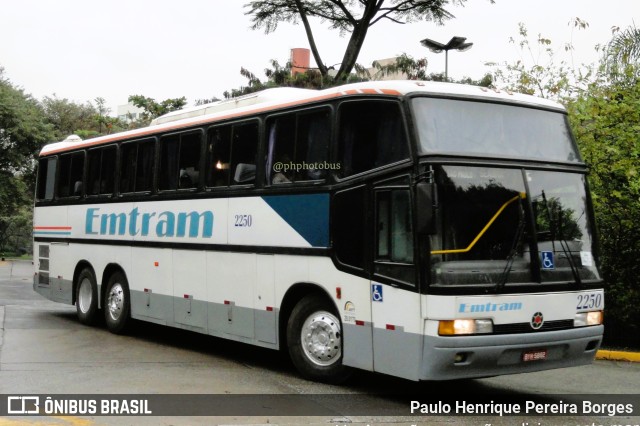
(314, 337)
(117, 305)
(87, 297)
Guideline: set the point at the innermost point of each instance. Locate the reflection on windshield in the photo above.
(564, 231)
(486, 234)
(480, 208)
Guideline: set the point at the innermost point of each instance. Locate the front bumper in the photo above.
(493, 355)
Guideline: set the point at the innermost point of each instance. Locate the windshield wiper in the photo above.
(564, 245)
(517, 240)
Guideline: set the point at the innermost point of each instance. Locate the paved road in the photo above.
(44, 350)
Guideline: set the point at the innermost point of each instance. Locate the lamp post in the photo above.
(456, 43)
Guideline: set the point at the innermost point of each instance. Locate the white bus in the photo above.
(423, 230)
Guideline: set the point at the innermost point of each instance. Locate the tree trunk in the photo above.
(353, 50)
(356, 41)
(312, 43)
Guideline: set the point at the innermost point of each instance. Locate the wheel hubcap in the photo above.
(115, 301)
(85, 296)
(321, 338)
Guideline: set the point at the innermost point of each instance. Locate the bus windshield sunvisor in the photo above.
(448, 126)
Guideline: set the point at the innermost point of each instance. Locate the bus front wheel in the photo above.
(314, 337)
(117, 304)
(87, 297)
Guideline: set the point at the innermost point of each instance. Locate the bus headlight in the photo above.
(584, 319)
(465, 326)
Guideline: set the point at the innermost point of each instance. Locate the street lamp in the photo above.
(456, 43)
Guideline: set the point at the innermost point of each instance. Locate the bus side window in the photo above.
(218, 156)
(101, 171)
(298, 146)
(70, 176)
(244, 147)
(281, 149)
(371, 135)
(136, 166)
(394, 235)
(46, 178)
(180, 161)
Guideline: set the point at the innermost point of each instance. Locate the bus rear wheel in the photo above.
(87, 297)
(117, 305)
(314, 337)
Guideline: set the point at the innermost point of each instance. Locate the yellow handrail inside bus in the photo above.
(522, 195)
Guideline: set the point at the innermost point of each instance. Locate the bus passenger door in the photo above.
(395, 300)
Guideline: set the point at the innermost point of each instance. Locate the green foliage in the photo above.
(23, 129)
(85, 120)
(606, 124)
(153, 109)
(280, 76)
(15, 231)
(68, 117)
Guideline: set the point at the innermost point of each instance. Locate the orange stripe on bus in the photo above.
(52, 227)
(390, 92)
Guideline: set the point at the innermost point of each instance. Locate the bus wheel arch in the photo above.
(85, 293)
(116, 299)
(311, 329)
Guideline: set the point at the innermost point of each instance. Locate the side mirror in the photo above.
(425, 208)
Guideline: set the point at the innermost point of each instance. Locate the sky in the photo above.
(84, 49)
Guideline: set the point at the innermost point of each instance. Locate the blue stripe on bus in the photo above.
(308, 214)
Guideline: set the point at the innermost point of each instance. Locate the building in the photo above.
(129, 112)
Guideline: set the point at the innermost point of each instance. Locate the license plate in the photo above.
(537, 355)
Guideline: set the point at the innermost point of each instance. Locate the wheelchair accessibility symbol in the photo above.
(547, 260)
(376, 292)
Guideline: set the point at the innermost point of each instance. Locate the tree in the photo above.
(606, 123)
(346, 16)
(105, 123)
(23, 131)
(623, 50)
(68, 117)
(153, 109)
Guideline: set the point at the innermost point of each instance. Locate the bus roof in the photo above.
(273, 99)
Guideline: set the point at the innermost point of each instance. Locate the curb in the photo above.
(607, 355)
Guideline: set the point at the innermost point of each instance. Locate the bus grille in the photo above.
(525, 327)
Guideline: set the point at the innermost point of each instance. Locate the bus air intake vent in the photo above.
(525, 327)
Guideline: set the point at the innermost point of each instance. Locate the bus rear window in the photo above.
(46, 178)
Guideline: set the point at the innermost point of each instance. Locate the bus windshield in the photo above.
(449, 126)
(486, 234)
